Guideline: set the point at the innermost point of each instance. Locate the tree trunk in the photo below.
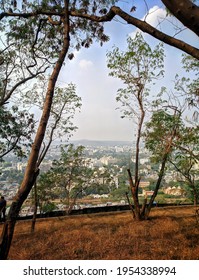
(30, 174)
(39, 161)
(195, 197)
(130, 205)
(161, 174)
(144, 205)
(9, 225)
(70, 206)
(35, 208)
(140, 124)
(135, 197)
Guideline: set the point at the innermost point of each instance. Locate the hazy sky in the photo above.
(99, 119)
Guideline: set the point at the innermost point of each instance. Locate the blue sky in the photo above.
(99, 119)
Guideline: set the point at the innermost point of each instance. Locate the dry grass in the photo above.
(170, 233)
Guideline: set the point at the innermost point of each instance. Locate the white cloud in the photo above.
(155, 16)
(85, 64)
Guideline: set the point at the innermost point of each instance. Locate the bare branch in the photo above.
(21, 83)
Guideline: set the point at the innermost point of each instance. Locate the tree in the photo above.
(182, 100)
(65, 103)
(186, 158)
(16, 68)
(137, 68)
(161, 137)
(17, 126)
(64, 106)
(45, 30)
(102, 181)
(16, 131)
(46, 190)
(71, 174)
(16, 65)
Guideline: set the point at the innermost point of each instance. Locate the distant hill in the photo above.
(97, 143)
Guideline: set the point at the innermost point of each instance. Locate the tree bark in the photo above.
(186, 12)
(195, 196)
(35, 208)
(140, 124)
(9, 225)
(130, 205)
(144, 205)
(30, 174)
(135, 197)
(161, 174)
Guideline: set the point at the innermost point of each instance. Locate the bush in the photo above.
(49, 207)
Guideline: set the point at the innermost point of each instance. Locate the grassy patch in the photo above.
(170, 233)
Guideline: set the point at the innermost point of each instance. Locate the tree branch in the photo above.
(142, 25)
(5, 99)
(11, 148)
(186, 12)
(145, 27)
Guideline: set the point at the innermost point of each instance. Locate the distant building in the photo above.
(45, 166)
(119, 149)
(144, 184)
(21, 166)
(108, 160)
(177, 191)
(100, 196)
(96, 162)
(147, 193)
(144, 160)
